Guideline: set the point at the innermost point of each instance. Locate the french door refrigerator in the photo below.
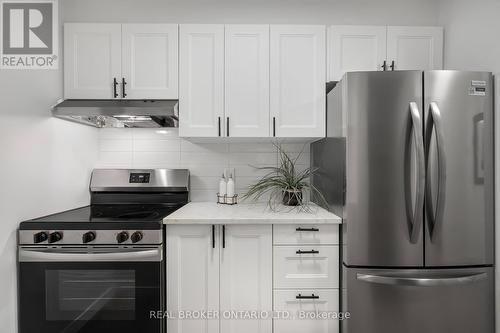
(408, 165)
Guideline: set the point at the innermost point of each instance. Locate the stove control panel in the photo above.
(90, 237)
(139, 178)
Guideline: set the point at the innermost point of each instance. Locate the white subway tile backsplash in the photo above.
(157, 145)
(115, 145)
(162, 148)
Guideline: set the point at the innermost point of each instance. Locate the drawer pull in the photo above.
(307, 229)
(307, 252)
(299, 296)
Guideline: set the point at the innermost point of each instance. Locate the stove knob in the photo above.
(40, 237)
(88, 237)
(55, 237)
(136, 237)
(122, 237)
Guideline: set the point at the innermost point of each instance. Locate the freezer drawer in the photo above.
(417, 301)
(306, 234)
(306, 266)
(311, 301)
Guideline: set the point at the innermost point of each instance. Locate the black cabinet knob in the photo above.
(88, 237)
(136, 237)
(122, 237)
(40, 237)
(55, 237)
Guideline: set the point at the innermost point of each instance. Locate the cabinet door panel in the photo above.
(327, 301)
(192, 277)
(150, 61)
(246, 277)
(92, 59)
(415, 48)
(356, 48)
(298, 77)
(293, 269)
(247, 80)
(201, 80)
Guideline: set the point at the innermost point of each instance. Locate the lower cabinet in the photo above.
(225, 269)
(235, 276)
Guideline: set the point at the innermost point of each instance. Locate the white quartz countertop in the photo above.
(249, 213)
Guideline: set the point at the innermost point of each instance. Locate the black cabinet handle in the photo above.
(384, 66)
(393, 65)
(307, 252)
(274, 126)
(307, 229)
(115, 87)
(220, 131)
(223, 236)
(213, 236)
(227, 126)
(299, 296)
(124, 83)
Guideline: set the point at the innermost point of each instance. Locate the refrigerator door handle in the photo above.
(421, 282)
(435, 216)
(416, 218)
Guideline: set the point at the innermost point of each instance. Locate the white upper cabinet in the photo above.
(192, 276)
(246, 277)
(92, 61)
(415, 48)
(150, 61)
(247, 80)
(115, 61)
(356, 48)
(298, 77)
(201, 81)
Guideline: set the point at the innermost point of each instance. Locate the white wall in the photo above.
(472, 43)
(44, 166)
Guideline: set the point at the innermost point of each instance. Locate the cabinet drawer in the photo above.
(306, 234)
(327, 301)
(306, 267)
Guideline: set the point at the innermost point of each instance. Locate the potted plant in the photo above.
(285, 184)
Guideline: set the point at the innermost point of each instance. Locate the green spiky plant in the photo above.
(285, 184)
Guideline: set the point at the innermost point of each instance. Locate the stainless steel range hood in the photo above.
(119, 113)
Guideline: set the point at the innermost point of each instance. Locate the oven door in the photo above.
(89, 290)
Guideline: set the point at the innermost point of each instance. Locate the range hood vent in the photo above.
(119, 113)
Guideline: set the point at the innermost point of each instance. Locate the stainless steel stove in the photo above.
(100, 267)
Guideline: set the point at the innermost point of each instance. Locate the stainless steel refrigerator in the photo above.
(408, 164)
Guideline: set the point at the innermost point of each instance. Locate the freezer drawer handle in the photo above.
(435, 215)
(299, 296)
(421, 282)
(307, 252)
(307, 229)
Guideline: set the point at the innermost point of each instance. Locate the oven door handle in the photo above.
(96, 255)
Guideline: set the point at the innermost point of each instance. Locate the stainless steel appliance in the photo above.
(100, 268)
(408, 165)
(119, 113)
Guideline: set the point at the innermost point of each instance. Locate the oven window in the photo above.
(90, 295)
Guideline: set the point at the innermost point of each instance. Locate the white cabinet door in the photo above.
(150, 61)
(247, 80)
(92, 60)
(201, 80)
(246, 277)
(306, 266)
(192, 276)
(356, 48)
(298, 77)
(415, 48)
(324, 301)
